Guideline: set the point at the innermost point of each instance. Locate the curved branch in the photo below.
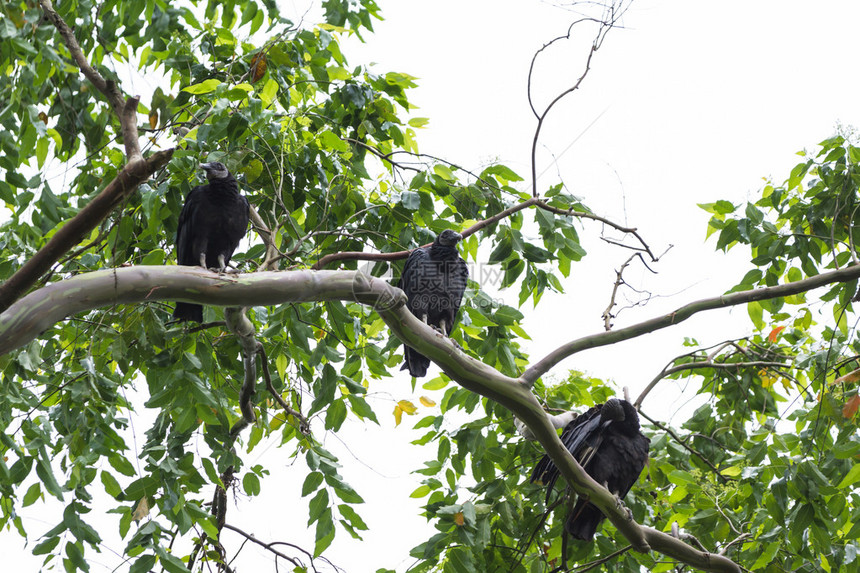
(683, 313)
(304, 425)
(534, 201)
(704, 364)
(605, 25)
(39, 310)
(73, 232)
(239, 324)
(585, 215)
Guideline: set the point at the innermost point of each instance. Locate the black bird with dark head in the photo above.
(607, 443)
(212, 222)
(434, 280)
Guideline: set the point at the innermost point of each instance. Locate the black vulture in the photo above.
(212, 222)
(434, 280)
(606, 441)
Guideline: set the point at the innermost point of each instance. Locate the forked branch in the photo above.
(41, 309)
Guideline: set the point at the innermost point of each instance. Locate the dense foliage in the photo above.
(766, 469)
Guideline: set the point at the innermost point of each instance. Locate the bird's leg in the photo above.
(222, 266)
(441, 328)
(203, 260)
(619, 501)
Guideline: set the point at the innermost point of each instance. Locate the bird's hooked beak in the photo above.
(215, 170)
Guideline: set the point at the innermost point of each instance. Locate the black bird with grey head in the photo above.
(434, 280)
(607, 443)
(212, 222)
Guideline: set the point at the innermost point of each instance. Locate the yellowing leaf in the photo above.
(153, 119)
(141, 510)
(427, 401)
(407, 406)
(398, 415)
(459, 519)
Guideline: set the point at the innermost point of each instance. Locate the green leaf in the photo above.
(203, 87)
(317, 505)
(112, 487)
(444, 172)
(251, 484)
(143, 564)
(312, 482)
(46, 474)
(852, 477)
(756, 314)
(410, 200)
(324, 533)
(34, 492)
(421, 491)
(170, 562)
(333, 142)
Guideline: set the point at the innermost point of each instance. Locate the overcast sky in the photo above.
(689, 103)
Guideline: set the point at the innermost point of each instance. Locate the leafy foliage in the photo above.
(765, 470)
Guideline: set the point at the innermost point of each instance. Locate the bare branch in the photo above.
(613, 14)
(619, 280)
(683, 313)
(268, 546)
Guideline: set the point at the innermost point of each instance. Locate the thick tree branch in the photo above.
(79, 226)
(683, 313)
(239, 324)
(39, 310)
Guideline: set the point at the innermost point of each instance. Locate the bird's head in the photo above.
(449, 238)
(622, 415)
(215, 170)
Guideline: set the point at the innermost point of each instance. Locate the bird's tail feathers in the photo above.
(187, 311)
(583, 521)
(416, 363)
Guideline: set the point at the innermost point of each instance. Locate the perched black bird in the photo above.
(607, 443)
(434, 280)
(212, 222)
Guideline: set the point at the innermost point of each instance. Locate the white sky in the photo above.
(696, 102)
